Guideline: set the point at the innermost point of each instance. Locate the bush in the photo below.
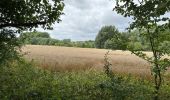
(22, 80)
(9, 45)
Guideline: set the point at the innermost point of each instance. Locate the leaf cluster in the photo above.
(27, 14)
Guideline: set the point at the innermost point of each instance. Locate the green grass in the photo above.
(25, 81)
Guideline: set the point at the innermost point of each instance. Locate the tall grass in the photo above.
(72, 59)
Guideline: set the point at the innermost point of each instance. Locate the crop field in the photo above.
(74, 59)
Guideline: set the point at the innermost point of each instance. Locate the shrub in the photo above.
(22, 80)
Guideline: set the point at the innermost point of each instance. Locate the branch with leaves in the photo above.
(147, 15)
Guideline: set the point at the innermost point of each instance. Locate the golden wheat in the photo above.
(68, 58)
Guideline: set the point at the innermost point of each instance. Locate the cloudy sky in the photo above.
(84, 18)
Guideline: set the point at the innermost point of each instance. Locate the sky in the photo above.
(84, 18)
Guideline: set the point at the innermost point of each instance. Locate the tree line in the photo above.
(108, 37)
(43, 38)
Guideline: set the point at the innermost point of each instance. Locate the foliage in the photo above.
(28, 35)
(118, 86)
(110, 38)
(138, 41)
(22, 80)
(20, 15)
(8, 43)
(132, 40)
(106, 33)
(123, 41)
(23, 14)
(147, 15)
(119, 42)
(43, 38)
(84, 44)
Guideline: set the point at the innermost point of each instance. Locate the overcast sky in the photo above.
(84, 18)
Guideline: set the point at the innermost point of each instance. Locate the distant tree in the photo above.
(43, 38)
(53, 41)
(66, 40)
(36, 38)
(106, 33)
(118, 42)
(29, 35)
(137, 41)
(19, 15)
(42, 34)
(89, 44)
(33, 41)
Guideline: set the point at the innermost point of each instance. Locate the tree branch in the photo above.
(22, 24)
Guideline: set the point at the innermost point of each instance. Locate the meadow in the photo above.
(58, 58)
(66, 73)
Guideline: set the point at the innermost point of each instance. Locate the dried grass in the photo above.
(69, 59)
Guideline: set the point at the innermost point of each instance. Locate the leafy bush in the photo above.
(22, 80)
(9, 45)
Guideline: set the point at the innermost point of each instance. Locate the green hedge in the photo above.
(25, 81)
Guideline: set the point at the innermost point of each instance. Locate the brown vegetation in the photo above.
(69, 58)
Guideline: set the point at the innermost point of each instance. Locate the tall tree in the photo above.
(106, 33)
(19, 15)
(147, 15)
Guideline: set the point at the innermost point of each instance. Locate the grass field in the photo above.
(69, 59)
(77, 75)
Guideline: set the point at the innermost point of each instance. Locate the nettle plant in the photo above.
(150, 17)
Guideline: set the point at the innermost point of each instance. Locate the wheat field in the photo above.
(73, 59)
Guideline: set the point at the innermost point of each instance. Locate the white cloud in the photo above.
(84, 18)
